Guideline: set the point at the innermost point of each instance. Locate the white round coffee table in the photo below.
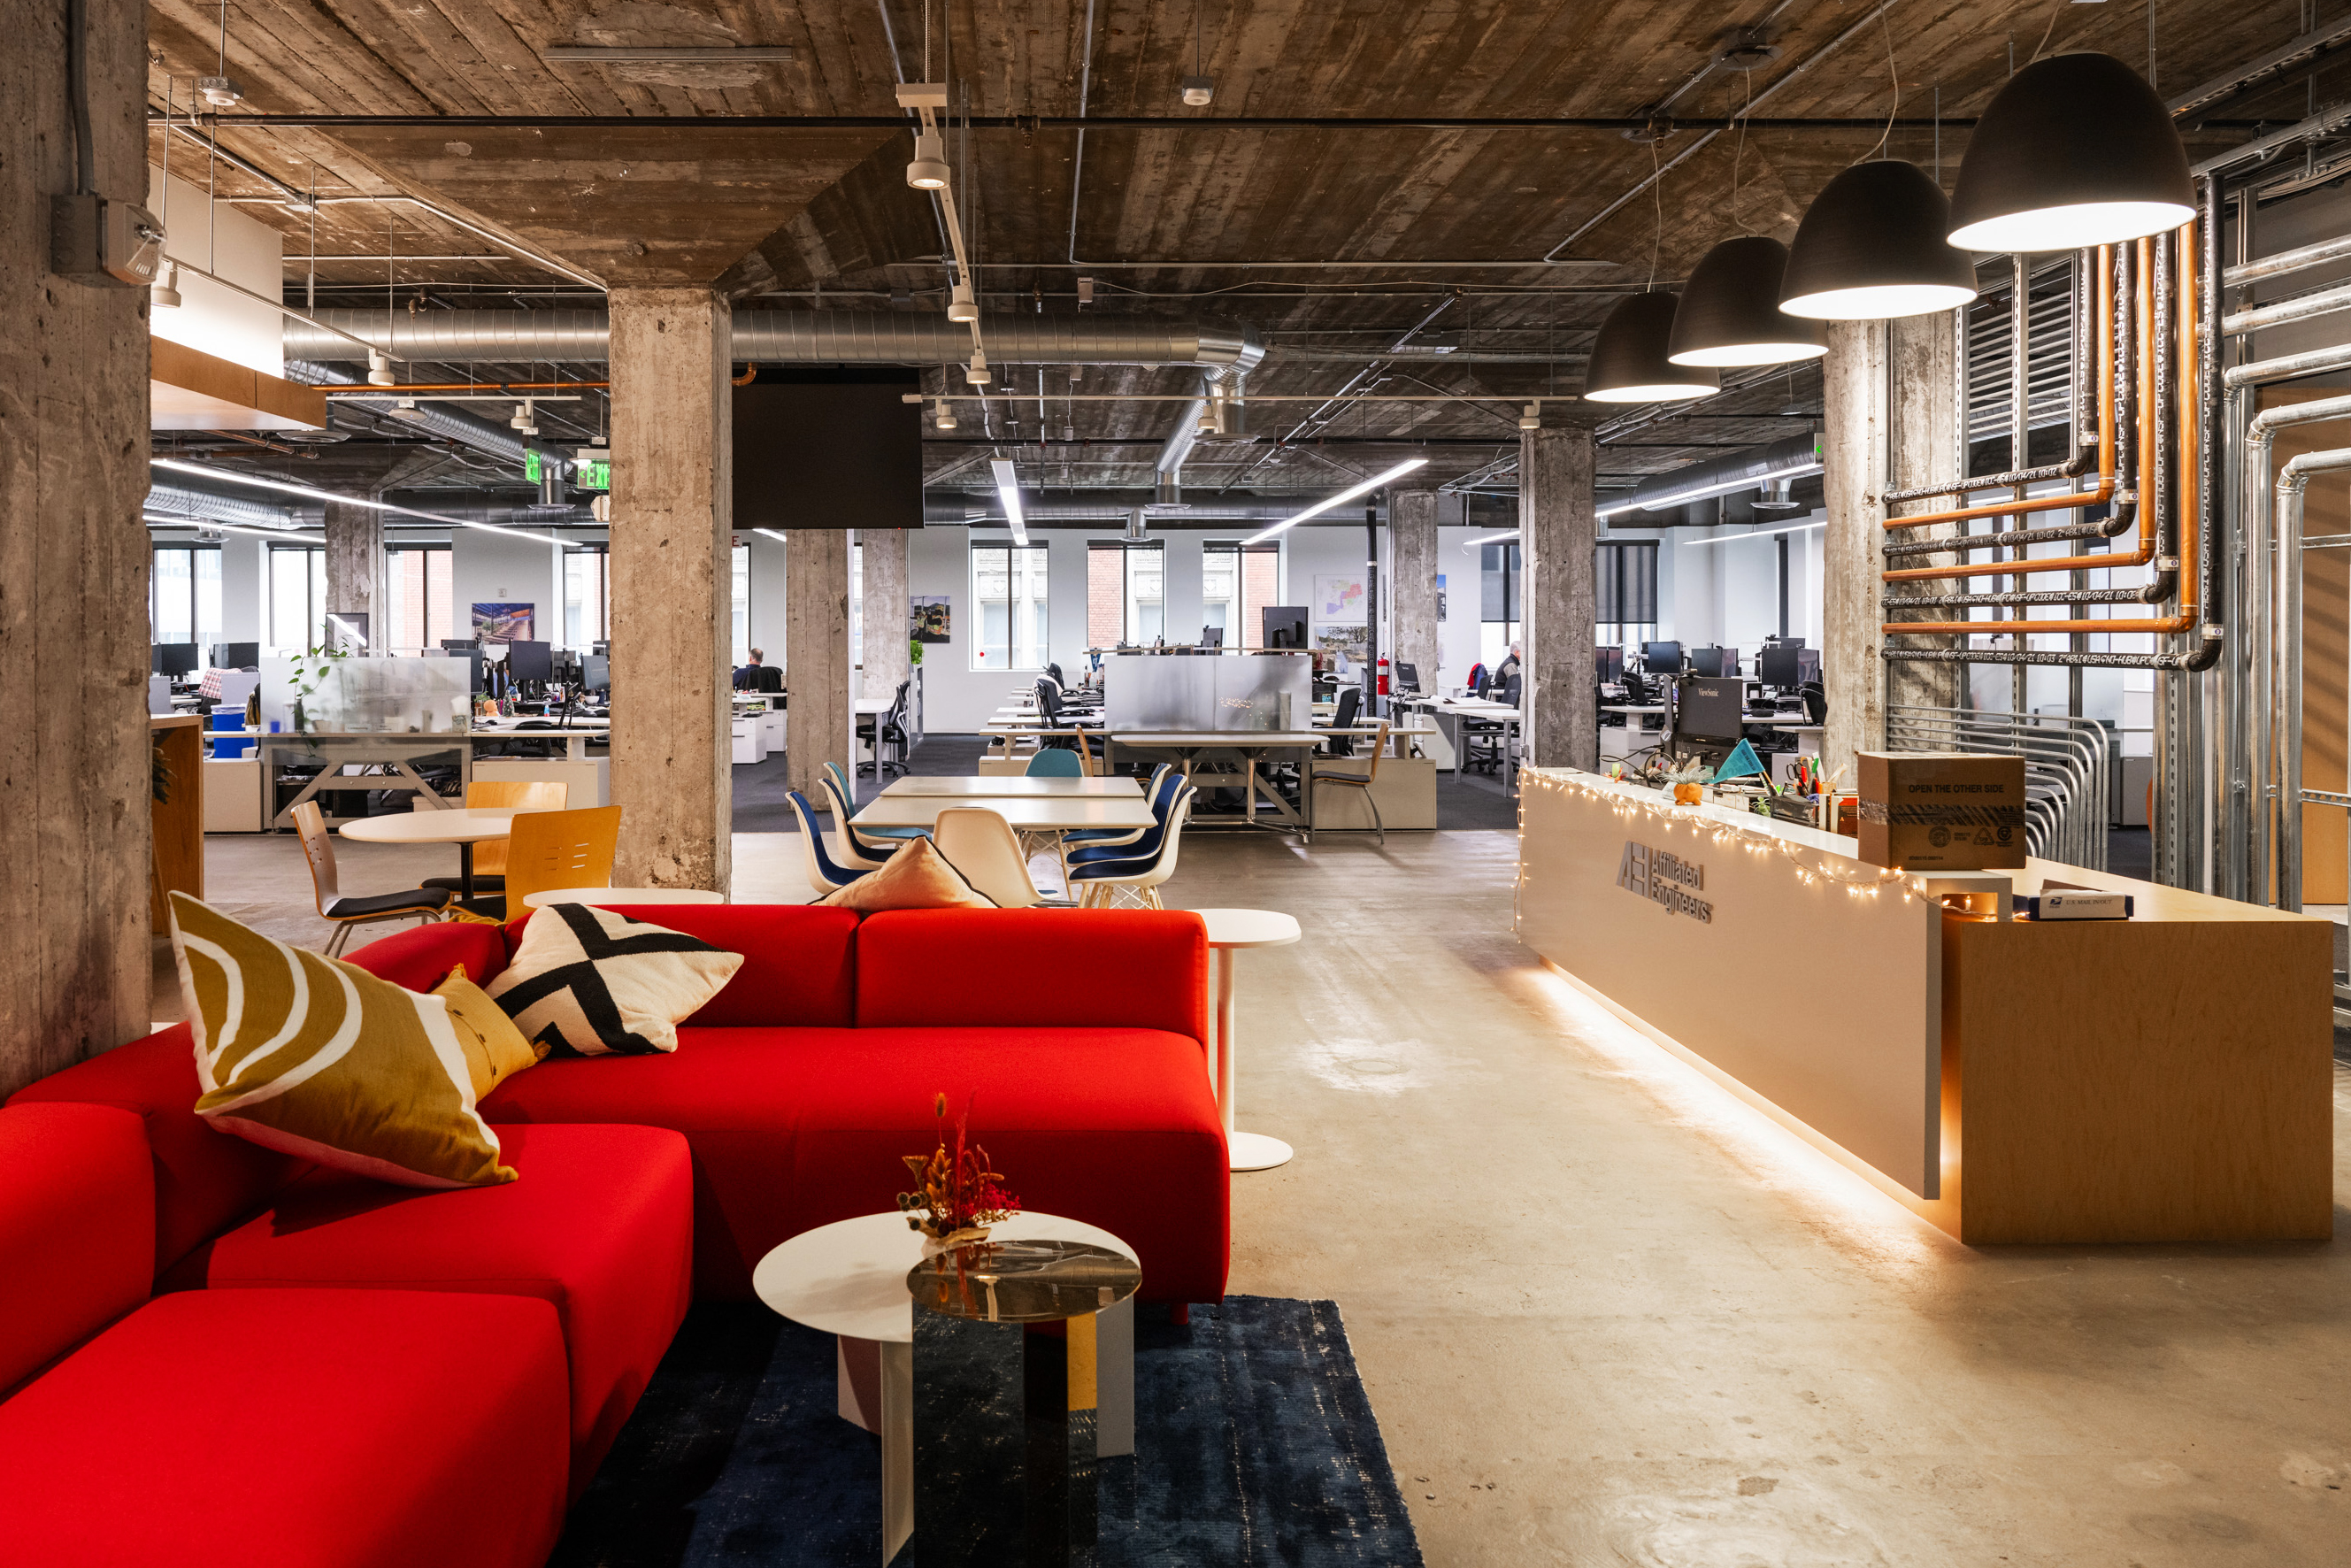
(1230, 930)
(605, 895)
(464, 826)
(849, 1279)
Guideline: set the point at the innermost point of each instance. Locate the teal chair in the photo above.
(885, 839)
(1055, 765)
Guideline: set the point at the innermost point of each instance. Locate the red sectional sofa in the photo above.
(205, 1343)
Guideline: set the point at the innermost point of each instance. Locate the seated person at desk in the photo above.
(759, 675)
(1508, 670)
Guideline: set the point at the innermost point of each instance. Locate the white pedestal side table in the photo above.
(849, 1279)
(1228, 931)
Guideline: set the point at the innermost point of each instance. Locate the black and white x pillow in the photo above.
(587, 982)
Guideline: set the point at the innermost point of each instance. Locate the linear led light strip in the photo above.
(1705, 492)
(178, 467)
(1755, 534)
(1007, 486)
(1341, 500)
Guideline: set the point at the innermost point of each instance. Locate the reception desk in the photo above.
(2166, 1078)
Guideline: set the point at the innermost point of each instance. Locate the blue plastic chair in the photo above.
(1144, 844)
(881, 838)
(1157, 790)
(824, 873)
(1051, 764)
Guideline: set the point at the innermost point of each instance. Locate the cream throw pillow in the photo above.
(916, 877)
(319, 1058)
(591, 982)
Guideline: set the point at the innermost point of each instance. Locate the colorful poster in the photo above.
(503, 623)
(1339, 599)
(931, 619)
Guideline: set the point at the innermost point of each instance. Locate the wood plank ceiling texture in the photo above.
(787, 217)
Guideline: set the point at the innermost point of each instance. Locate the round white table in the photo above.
(603, 895)
(849, 1279)
(1228, 931)
(464, 827)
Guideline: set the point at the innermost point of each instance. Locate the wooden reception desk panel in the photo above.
(2166, 1078)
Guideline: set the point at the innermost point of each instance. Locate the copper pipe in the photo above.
(2185, 329)
(470, 387)
(750, 373)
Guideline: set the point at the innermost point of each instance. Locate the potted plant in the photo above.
(957, 1196)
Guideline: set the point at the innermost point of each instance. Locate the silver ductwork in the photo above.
(429, 419)
(168, 499)
(780, 337)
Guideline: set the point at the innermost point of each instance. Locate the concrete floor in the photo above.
(1607, 1315)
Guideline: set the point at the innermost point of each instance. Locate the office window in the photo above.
(1008, 604)
(1236, 582)
(1500, 582)
(742, 601)
(1125, 598)
(1625, 575)
(183, 595)
(298, 597)
(587, 595)
(416, 600)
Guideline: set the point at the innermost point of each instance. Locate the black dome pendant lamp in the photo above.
(2076, 151)
(1871, 247)
(1628, 358)
(1730, 311)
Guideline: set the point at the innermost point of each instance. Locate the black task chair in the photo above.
(1350, 702)
(1486, 742)
(890, 743)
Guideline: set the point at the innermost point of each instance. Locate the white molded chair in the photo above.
(980, 844)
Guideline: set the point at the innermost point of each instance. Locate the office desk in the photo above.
(984, 787)
(1449, 712)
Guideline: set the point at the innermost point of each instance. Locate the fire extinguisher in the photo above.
(1384, 676)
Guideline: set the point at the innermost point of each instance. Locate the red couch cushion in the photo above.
(797, 958)
(976, 967)
(600, 1224)
(76, 1229)
(205, 1180)
(796, 1128)
(295, 1429)
(421, 956)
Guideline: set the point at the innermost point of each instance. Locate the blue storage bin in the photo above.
(226, 747)
(228, 718)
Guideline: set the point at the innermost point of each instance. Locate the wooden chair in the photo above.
(425, 904)
(559, 848)
(490, 854)
(1326, 774)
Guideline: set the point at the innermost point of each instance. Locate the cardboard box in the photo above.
(1942, 811)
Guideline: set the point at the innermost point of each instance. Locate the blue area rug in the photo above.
(1255, 1448)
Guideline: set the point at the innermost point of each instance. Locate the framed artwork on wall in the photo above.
(503, 623)
(1339, 599)
(933, 617)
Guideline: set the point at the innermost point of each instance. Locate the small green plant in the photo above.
(310, 668)
(914, 653)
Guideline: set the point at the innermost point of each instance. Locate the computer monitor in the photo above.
(1708, 715)
(530, 662)
(1608, 666)
(454, 645)
(235, 656)
(1777, 665)
(1710, 662)
(177, 660)
(1285, 625)
(596, 672)
(1408, 677)
(1212, 636)
(1662, 658)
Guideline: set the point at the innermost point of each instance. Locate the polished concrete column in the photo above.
(1923, 437)
(671, 564)
(818, 725)
(885, 610)
(355, 565)
(74, 830)
(1854, 422)
(1556, 540)
(1411, 553)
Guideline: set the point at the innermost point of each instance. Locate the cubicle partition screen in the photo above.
(1191, 696)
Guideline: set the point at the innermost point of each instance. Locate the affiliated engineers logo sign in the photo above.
(1665, 879)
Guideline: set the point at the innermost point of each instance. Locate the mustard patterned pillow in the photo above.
(319, 1058)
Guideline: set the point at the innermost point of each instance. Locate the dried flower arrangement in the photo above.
(956, 1196)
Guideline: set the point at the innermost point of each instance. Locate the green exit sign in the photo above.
(595, 476)
(530, 467)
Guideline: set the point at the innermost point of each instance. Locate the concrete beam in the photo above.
(1412, 539)
(1922, 353)
(818, 725)
(885, 610)
(74, 833)
(1556, 539)
(1854, 422)
(355, 565)
(673, 575)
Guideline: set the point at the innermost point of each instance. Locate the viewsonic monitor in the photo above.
(596, 672)
(1713, 662)
(1708, 715)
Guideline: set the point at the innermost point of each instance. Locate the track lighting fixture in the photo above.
(522, 421)
(1532, 418)
(379, 370)
(2076, 151)
(163, 294)
(961, 305)
(1199, 91)
(1628, 358)
(942, 417)
(977, 372)
(928, 171)
(1729, 312)
(1871, 247)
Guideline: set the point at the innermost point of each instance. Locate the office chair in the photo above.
(1815, 701)
(1325, 775)
(1055, 764)
(490, 854)
(1158, 791)
(859, 848)
(1350, 702)
(552, 849)
(767, 679)
(824, 874)
(426, 903)
(1101, 880)
(891, 732)
(980, 844)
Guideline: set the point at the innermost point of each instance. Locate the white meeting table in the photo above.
(1027, 814)
(464, 826)
(1017, 787)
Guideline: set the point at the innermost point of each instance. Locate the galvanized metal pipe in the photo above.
(2302, 307)
(2292, 481)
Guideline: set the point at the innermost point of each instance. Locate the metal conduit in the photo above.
(782, 337)
(427, 419)
(209, 507)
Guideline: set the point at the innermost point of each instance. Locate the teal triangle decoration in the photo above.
(1740, 763)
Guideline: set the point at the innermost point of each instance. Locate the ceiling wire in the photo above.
(1896, 76)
